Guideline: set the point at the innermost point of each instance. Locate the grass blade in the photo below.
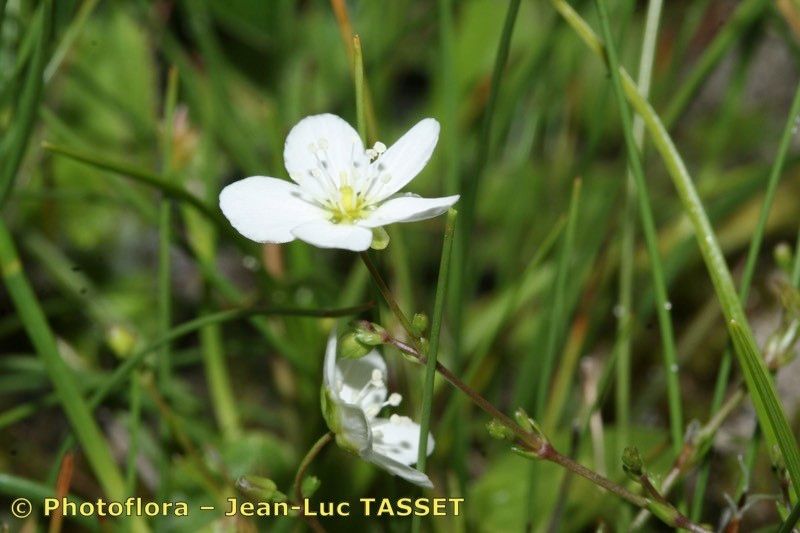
(469, 190)
(663, 305)
(14, 147)
(433, 347)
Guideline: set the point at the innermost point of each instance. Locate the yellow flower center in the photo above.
(351, 207)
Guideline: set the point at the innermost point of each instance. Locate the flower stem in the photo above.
(387, 294)
(312, 454)
(544, 450)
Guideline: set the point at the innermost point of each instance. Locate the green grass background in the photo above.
(116, 263)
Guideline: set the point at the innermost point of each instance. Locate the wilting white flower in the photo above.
(353, 394)
(341, 192)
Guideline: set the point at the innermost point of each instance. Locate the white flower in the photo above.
(353, 393)
(341, 192)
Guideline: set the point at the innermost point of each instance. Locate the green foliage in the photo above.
(182, 362)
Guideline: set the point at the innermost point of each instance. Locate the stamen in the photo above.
(394, 399)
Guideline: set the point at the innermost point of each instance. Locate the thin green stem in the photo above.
(558, 315)
(536, 447)
(386, 292)
(358, 79)
(556, 327)
(312, 454)
(134, 424)
(770, 413)
(461, 277)
(223, 400)
(14, 147)
(433, 348)
(627, 240)
(663, 304)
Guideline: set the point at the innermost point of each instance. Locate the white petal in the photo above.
(399, 469)
(325, 144)
(266, 209)
(355, 375)
(326, 234)
(398, 439)
(354, 428)
(407, 208)
(405, 158)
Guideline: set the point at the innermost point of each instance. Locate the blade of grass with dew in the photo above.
(627, 241)
(462, 284)
(746, 14)
(88, 433)
(724, 370)
(771, 415)
(15, 145)
(556, 325)
(651, 240)
(433, 348)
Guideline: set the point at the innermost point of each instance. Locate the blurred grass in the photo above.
(90, 79)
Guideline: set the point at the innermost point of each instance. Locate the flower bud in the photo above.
(370, 333)
(261, 488)
(309, 486)
(350, 347)
(632, 463)
(499, 431)
(419, 324)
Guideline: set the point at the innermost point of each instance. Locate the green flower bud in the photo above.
(499, 431)
(380, 239)
(260, 488)
(419, 324)
(370, 333)
(522, 418)
(632, 463)
(350, 347)
(309, 486)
